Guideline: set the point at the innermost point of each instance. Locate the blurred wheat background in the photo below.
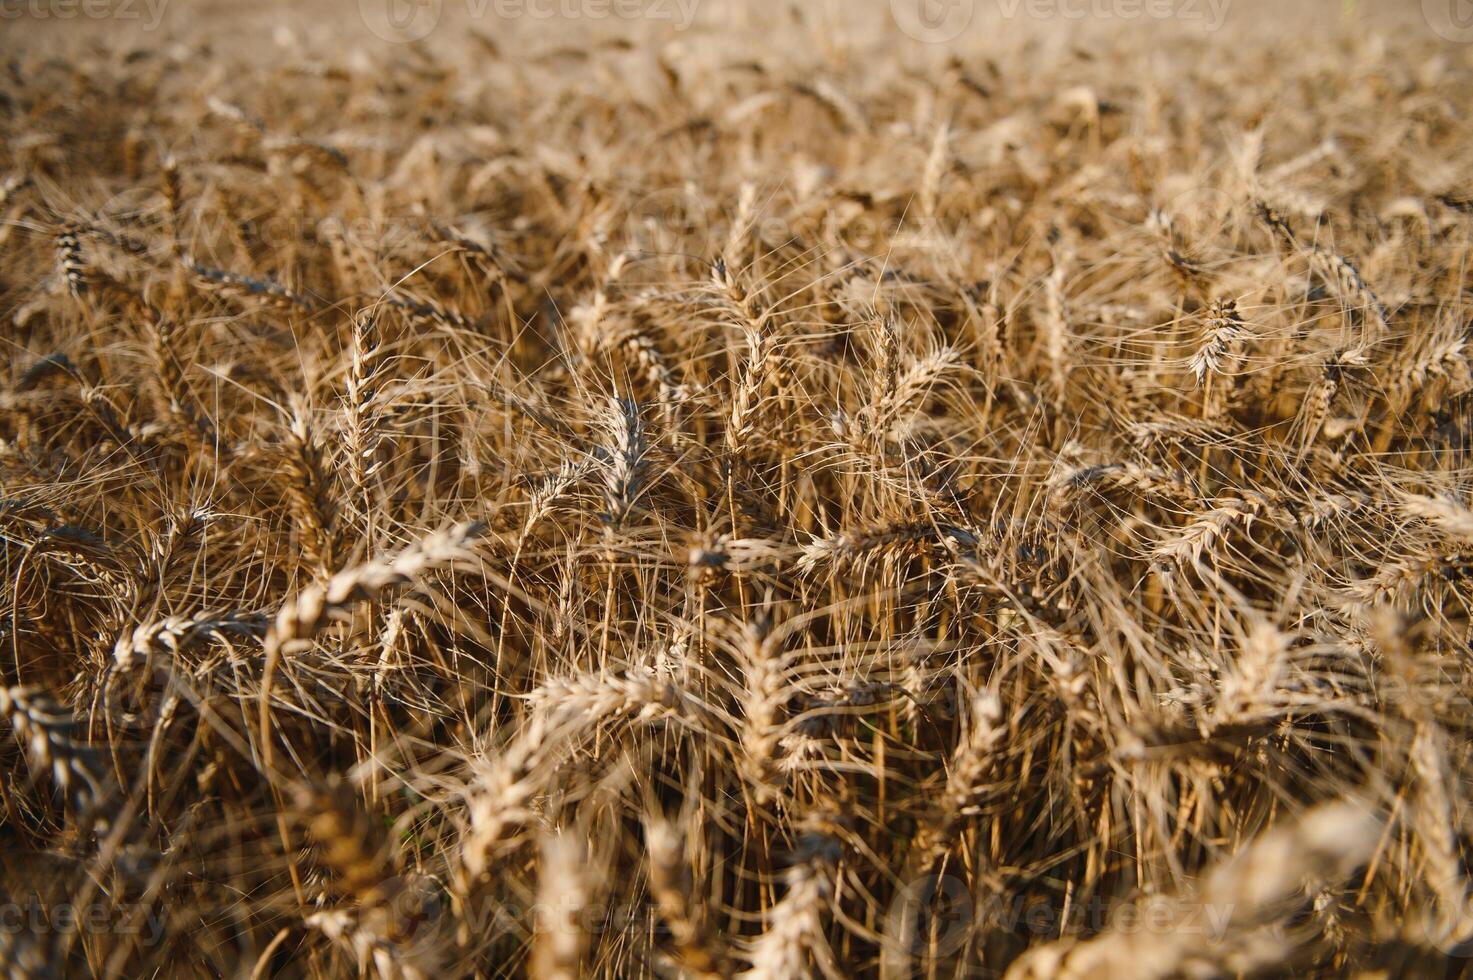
(758, 490)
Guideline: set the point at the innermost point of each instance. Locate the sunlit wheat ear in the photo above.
(755, 374)
(1337, 272)
(500, 803)
(351, 270)
(739, 239)
(1276, 223)
(319, 604)
(680, 907)
(624, 458)
(757, 370)
(1432, 371)
(711, 554)
(1249, 684)
(1453, 518)
(766, 694)
(974, 758)
(1342, 276)
(486, 256)
(1224, 333)
(362, 416)
(553, 490)
(81, 550)
(1436, 816)
(179, 401)
(1187, 269)
(311, 488)
(1434, 806)
(564, 890)
(1238, 902)
(1320, 396)
(349, 841)
(906, 387)
(932, 176)
(1070, 487)
(564, 714)
(794, 941)
(588, 699)
(649, 363)
(849, 549)
(428, 311)
(249, 290)
(1201, 536)
(46, 729)
(105, 412)
(173, 634)
(587, 319)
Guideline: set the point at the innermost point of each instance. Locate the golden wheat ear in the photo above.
(1238, 902)
(680, 906)
(321, 603)
(47, 731)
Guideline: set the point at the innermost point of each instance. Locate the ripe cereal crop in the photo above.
(769, 493)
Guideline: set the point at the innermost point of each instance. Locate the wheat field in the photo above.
(764, 496)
